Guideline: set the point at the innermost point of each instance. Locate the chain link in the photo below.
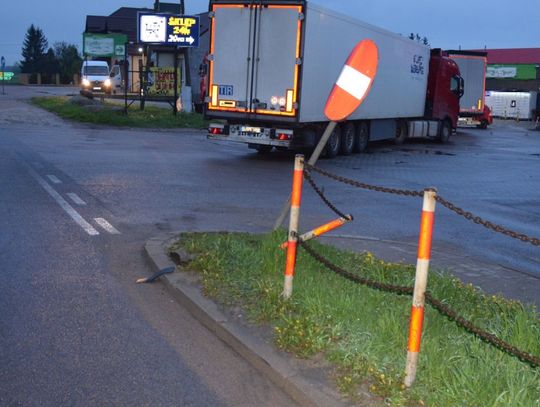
(445, 310)
(319, 192)
(467, 215)
(363, 185)
(489, 225)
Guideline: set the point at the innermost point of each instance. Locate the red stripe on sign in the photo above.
(365, 59)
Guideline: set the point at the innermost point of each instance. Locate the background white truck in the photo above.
(513, 105)
(272, 65)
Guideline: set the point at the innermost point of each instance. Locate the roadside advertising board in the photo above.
(168, 29)
(104, 45)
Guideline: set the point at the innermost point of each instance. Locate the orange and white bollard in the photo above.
(321, 230)
(292, 243)
(420, 284)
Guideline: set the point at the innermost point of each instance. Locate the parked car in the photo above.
(95, 77)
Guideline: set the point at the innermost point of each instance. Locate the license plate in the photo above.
(249, 129)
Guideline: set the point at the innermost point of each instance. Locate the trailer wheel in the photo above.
(333, 144)
(362, 137)
(263, 148)
(401, 132)
(483, 124)
(445, 132)
(347, 138)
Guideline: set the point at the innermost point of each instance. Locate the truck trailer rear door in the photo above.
(472, 68)
(277, 60)
(255, 58)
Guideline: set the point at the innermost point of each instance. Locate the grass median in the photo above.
(112, 114)
(363, 332)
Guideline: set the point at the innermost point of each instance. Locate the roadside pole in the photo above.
(420, 285)
(3, 63)
(312, 161)
(349, 91)
(292, 245)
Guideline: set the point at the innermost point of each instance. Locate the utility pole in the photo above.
(3, 63)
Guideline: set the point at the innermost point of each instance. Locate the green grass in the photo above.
(363, 332)
(113, 115)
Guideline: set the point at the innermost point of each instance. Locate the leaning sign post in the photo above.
(350, 90)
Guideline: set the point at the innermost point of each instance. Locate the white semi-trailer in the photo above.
(272, 65)
(512, 105)
(472, 105)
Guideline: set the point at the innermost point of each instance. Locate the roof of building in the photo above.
(124, 20)
(513, 56)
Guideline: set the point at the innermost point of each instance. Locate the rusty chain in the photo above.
(396, 289)
(467, 215)
(363, 185)
(489, 225)
(319, 192)
(487, 337)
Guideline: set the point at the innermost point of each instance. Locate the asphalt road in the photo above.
(78, 329)
(74, 328)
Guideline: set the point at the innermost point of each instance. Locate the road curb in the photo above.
(278, 367)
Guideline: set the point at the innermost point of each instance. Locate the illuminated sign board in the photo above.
(168, 29)
(161, 81)
(104, 45)
(6, 76)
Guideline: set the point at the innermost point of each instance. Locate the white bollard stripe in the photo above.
(422, 267)
(353, 82)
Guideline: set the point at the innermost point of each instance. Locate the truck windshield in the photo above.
(96, 70)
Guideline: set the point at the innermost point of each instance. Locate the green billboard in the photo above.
(104, 45)
(511, 71)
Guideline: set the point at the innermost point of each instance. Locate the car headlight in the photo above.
(107, 82)
(86, 82)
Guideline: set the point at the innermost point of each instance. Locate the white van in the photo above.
(95, 77)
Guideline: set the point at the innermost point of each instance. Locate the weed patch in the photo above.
(113, 114)
(363, 332)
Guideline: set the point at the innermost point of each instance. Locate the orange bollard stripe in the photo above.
(297, 188)
(426, 234)
(321, 230)
(415, 329)
(291, 258)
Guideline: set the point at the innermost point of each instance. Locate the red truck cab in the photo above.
(445, 87)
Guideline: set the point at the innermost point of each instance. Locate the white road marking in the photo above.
(107, 226)
(75, 198)
(88, 228)
(53, 179)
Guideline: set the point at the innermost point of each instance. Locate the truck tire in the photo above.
(361, 137)
(445, 132)
(333, 145)
(401, 132)
(263, 149)
(347, 138)
(483, 124)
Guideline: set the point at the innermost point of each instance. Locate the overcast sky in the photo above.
(447, 24)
